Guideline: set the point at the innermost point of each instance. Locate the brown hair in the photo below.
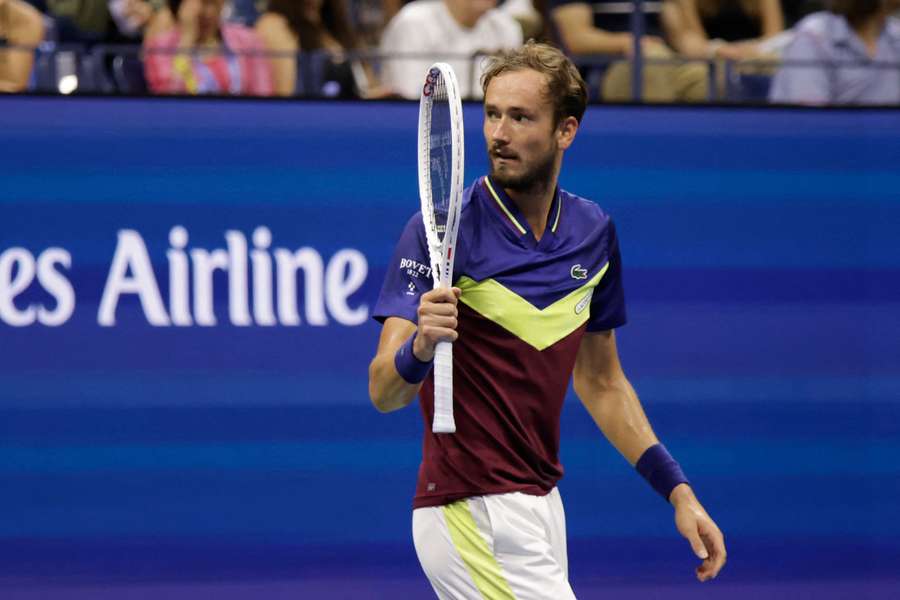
(335, 21)
(855, 10)
(565, 87)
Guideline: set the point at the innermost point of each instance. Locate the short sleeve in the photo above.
(802, 83)
(608, 302)
(408, 275)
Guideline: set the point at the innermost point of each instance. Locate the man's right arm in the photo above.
(437, 320)
(575, 23)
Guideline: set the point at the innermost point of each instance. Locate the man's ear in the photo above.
(565, 132)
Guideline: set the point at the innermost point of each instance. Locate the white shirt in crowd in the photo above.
(427, 32)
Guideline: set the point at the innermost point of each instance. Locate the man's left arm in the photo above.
(613, 404)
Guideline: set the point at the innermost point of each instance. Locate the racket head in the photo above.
(440, 162)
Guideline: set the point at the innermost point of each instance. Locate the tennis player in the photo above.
(537, 297)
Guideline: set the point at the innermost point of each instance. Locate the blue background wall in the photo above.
(763, 280)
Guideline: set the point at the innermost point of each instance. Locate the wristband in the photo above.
(660, 470)
(410, 368)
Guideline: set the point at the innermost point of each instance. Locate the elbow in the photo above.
(376, 395)
(595, 386)
(378, 401)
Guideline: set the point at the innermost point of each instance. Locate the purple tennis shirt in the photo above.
(524, 308)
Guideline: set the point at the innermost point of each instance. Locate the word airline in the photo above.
(262, 283)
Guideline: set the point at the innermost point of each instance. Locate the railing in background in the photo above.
(119, 70)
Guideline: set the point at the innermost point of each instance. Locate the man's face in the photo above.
(520, 130)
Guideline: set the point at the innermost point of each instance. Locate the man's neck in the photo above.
(870, 30)
(534, 204)
(460, 13)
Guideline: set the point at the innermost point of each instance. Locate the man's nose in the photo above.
(499, 130)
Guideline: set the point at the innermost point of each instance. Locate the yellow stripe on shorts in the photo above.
(473, 549)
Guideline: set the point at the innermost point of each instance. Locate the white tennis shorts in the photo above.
(498, 547)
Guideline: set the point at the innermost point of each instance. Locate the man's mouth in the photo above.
(504, 154)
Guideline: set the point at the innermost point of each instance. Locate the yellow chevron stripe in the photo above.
(473, 549)
(539, 328)
(499, 202)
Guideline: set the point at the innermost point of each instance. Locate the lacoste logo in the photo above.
(578, 272)
(584, 302)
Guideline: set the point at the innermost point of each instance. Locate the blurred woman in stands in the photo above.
(20, 25)
(321, 28)
(726, 29)
(849, 55)
(201, 54)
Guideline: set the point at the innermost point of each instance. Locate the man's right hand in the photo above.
(437, 321)
(651, 45)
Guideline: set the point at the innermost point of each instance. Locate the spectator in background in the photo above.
(315, 26)
(453, 31)
(589, 27)
(137, 18)
(20, 25)
(726, 29)
(857, 46)
(203, 55)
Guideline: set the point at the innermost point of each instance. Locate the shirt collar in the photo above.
(499, 198)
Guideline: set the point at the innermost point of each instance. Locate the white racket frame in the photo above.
(441, 253)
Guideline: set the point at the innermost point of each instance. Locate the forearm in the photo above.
(694, 45)
(597, 41)
(617, 411)
(387, 389)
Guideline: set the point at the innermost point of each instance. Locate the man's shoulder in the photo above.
(418, 11)
(583, 209)
(823, 26)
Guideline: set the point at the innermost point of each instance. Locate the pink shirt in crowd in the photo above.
(243, 70)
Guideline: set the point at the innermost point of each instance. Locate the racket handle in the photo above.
(443, 389)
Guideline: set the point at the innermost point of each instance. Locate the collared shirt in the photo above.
(525, 306)
(845, 73)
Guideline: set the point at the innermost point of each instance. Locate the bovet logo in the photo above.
(414, 268)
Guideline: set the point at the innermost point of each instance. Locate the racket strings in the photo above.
(440, 154)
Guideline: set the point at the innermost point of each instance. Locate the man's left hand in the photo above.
(700, 530)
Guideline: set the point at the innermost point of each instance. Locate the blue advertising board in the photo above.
(186, 290)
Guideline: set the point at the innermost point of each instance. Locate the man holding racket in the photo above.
(537, 294)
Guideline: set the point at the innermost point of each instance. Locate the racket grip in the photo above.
(443, 389)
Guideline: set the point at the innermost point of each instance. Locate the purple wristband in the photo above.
(410, 368)
(660, 470)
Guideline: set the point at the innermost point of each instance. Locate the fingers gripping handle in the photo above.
(443, 389)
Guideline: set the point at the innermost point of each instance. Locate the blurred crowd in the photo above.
(785, 51)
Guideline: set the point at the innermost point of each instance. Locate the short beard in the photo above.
(535, 179)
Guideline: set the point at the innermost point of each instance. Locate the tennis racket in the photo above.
(440, 192)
